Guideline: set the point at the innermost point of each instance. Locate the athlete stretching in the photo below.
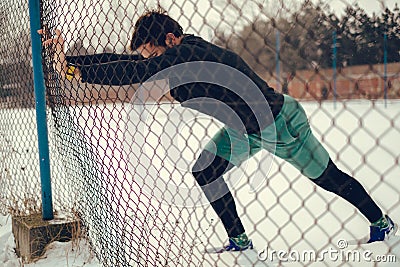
(160, 41)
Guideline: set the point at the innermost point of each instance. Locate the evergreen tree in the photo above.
(306, 39)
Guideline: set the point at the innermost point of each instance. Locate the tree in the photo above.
(302, 35)
(306, 38)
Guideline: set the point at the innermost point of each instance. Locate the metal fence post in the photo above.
(385, 67)
(278, 58)
(334, 61)
(40, 99)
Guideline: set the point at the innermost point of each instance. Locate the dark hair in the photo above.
(153, 27)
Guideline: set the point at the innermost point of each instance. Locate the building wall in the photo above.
(357, 82)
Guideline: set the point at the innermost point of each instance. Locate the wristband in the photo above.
(70, 73)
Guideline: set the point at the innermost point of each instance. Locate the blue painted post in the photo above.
(385, 67)
(334, 59)
(277, 57)
(41, 121)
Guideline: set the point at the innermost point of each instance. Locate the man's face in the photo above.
(149, 50)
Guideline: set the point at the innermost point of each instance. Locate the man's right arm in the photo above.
(75, 63)
(108, 69)
(99, 58)
(123, 72)
(126, 71)
(59, 58)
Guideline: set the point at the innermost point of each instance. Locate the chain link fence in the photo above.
(19, 186)
(122, 155)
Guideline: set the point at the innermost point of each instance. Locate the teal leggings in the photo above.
(289, 138)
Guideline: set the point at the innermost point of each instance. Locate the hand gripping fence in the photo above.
(138, 155)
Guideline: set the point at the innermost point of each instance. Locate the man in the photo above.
(160, 41)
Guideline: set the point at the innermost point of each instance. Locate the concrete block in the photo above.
(32, 234)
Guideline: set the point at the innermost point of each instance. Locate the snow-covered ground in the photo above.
(363, 142)
(77, 254)
(58, 254)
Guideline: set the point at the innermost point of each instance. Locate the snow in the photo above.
(77, 254)
(61, 254)
(300, 214)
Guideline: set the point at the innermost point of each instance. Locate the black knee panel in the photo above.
(209, 167)
(333, 179)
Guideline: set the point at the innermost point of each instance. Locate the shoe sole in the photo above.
(392, 232)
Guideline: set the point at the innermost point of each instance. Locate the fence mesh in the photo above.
(19, 169)
(122, 155)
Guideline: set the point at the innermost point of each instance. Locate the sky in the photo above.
(81, 20)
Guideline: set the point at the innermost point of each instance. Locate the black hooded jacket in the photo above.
(201, 75)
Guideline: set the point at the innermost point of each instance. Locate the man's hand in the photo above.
(60, 62)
